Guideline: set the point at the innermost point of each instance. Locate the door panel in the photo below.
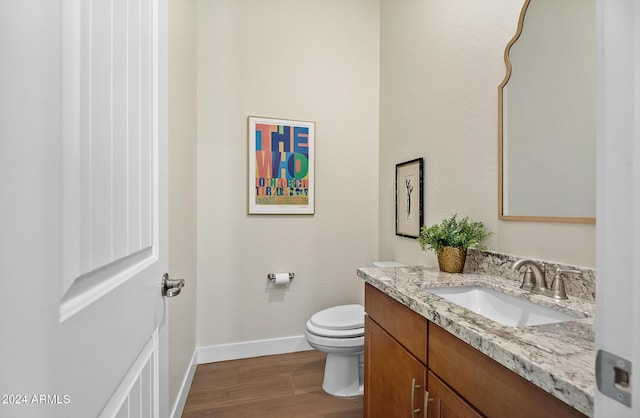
(617, 322)
(135, 397)
(110, 146)
(83, 180)
(393, 377)
(445, 403)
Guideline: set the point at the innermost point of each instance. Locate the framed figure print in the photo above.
(409, 198)
(281, 166)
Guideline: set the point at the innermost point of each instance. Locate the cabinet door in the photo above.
(445, 403)
(394, 379)
(406, 326)
(479, 378)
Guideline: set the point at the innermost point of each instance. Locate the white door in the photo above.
(618, 227)
(82, 208)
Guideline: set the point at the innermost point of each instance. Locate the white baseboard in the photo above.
(186, 386)
(249, 349)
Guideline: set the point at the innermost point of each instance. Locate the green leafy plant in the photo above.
(452, 232)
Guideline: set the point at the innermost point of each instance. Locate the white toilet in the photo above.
(339, 332)
(388, 264)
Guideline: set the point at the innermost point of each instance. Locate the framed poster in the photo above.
(281, 166)
(409, 196)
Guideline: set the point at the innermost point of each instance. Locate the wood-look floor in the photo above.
(282, 386)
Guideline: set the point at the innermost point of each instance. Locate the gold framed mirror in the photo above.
(547, 115)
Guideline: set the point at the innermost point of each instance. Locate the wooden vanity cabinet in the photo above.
(403, 351)
(398, 387)
(486, 384)
(394, 357)
(406, 326)
(445, 403)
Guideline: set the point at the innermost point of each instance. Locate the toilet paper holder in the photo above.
(272, 276)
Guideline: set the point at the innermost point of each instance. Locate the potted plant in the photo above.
(450, 240)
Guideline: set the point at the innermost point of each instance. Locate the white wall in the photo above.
(182, 190)
(441, 64)
(311, 60)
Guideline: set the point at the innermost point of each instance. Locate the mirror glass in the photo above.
(547, 114)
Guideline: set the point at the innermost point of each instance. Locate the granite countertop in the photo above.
(559, 358)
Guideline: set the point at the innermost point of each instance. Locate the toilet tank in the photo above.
(387, 264)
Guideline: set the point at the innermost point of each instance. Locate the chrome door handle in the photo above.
(413, 395)
(427, 399)
(171, 287)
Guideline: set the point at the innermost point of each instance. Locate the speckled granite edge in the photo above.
(558, 358)
(498, 264)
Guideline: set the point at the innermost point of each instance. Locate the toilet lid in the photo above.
(339, 317)
(387, 264)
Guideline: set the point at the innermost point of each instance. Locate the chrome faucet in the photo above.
(534, 279)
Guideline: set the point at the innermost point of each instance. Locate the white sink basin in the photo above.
(500, 307)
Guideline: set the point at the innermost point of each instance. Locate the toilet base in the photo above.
(343, 375)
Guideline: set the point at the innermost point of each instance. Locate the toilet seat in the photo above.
(334, 333)
(335, 343)
(339, 317)
(344, 321)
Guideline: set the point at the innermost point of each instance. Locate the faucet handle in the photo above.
(528, 280)
(570, 271)
(534, 277)
(557, 286)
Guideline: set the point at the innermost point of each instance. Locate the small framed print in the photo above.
(281, 166)
(409, 198)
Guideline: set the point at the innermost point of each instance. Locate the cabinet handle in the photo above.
(427, 399)
(413, 396)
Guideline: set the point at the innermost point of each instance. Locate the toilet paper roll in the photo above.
(282, 279)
